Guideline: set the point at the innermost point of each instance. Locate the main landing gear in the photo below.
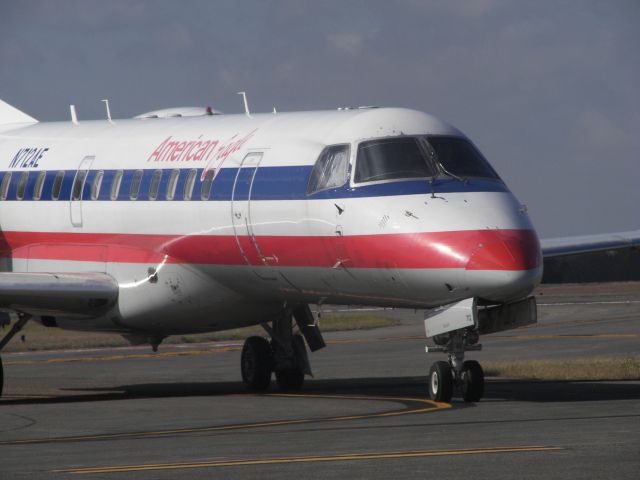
(285, 354)
(22, 319)
(464, 375)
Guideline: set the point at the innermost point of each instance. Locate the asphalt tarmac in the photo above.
(183, 413)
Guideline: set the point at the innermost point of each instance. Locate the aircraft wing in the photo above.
(554, 247)
(72, 294)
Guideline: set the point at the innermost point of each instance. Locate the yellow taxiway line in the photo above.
(344, 457)
(419, 406)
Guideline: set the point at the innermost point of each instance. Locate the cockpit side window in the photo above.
(331, 169)
(391, 159)
(459, 157)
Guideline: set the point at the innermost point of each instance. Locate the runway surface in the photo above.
(183, 413)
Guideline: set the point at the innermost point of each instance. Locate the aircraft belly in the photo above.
(184, 298)
(370, 286)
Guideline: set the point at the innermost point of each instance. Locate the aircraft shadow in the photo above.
(406, 387)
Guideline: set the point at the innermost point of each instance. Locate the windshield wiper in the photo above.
(452, 175)
(439, 166)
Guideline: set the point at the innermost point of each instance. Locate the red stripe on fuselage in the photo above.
(471, 249)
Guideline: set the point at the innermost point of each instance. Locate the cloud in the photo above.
(80, 15)
(598, 131)
(12, 52)
(350, 43)
(473, 8)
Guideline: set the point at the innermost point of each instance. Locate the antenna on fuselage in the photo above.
(246, 104)
(106, 106)
(74, 116)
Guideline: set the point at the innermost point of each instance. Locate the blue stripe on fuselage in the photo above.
(270, 183)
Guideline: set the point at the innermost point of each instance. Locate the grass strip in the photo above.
(599, 368)
(38, 337)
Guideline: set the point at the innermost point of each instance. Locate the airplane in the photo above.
(187, 220)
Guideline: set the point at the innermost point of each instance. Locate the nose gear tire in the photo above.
(472, 381)
(440, 382)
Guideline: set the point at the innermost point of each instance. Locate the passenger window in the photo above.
(96, 185)
(171, 185)
(57, 185)
(78, 185)
(115, 185)
(4, 188)
(188, 185)
(205, 191)
(37, 189)
(22, 185)
(391, 159)
(331, 170)
(155, 184)
(458, 156)
(135, 185)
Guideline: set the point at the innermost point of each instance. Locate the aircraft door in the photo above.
(241, 209)
(77, 190)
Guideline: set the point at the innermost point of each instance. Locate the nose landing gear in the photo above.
(457, 374)
(456, 329)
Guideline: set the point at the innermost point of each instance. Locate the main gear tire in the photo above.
(256, 364)
(290, 379)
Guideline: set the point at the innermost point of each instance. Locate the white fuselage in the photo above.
(260, 239)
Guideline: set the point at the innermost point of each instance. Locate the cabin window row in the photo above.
(106, 185)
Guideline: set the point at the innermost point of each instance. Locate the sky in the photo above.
(548, 90)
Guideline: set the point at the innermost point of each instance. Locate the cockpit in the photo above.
(396, 159)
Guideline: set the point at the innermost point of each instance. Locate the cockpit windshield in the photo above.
(390, 159)
(406, 158)
(459, 157)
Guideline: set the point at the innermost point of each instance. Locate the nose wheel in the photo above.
(464, 376)
(443, 380)
(440, 382)
(472, 381)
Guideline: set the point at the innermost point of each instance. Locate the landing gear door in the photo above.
(451, 317)
(241, 208)
(77, 190)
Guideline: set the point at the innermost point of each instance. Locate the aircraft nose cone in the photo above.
(509, 250)
(504, 265)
